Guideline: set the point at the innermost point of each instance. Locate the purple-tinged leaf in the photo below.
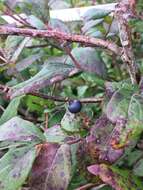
(117, 178)
(52, 168)
(98, 142)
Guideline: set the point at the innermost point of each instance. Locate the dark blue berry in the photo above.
(74, 106)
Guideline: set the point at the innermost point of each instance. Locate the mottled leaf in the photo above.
(52, 168)
(118, 179)
(15, 166)
(118, 104)
(71, 123)
(56, 135)
(129, 123)
(17, 129)
(98, 142)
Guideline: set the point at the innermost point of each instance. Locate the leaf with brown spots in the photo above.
(52, 168)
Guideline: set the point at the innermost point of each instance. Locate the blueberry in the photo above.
(74, 106)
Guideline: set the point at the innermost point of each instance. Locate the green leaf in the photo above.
(33, 7)
(138, 168)
(17, 129)
(95, 14)
(19, 49)
(15, 166)
(48, 71)
(59, 25)
(11, 110)
(90, 24)
(133, 157)
(35, 22)
(118, 179)
(12, 43)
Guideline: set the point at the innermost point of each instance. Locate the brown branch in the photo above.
(66, 99)
(123, 13)
(55, 34)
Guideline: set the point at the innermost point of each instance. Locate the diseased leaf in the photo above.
(11, 110)
(52, 168)
(89, 60)
(71, 123)
(127, 115)
(17, 129)
(15, 166)
(98, 142)
(118, 179)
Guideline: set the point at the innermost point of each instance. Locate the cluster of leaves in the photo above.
(42, 144)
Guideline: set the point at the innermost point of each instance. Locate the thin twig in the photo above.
(85, 187)
(37, 46)
(68, 51)
(66, 99)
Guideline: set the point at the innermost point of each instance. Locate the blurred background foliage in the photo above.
(22, 58)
